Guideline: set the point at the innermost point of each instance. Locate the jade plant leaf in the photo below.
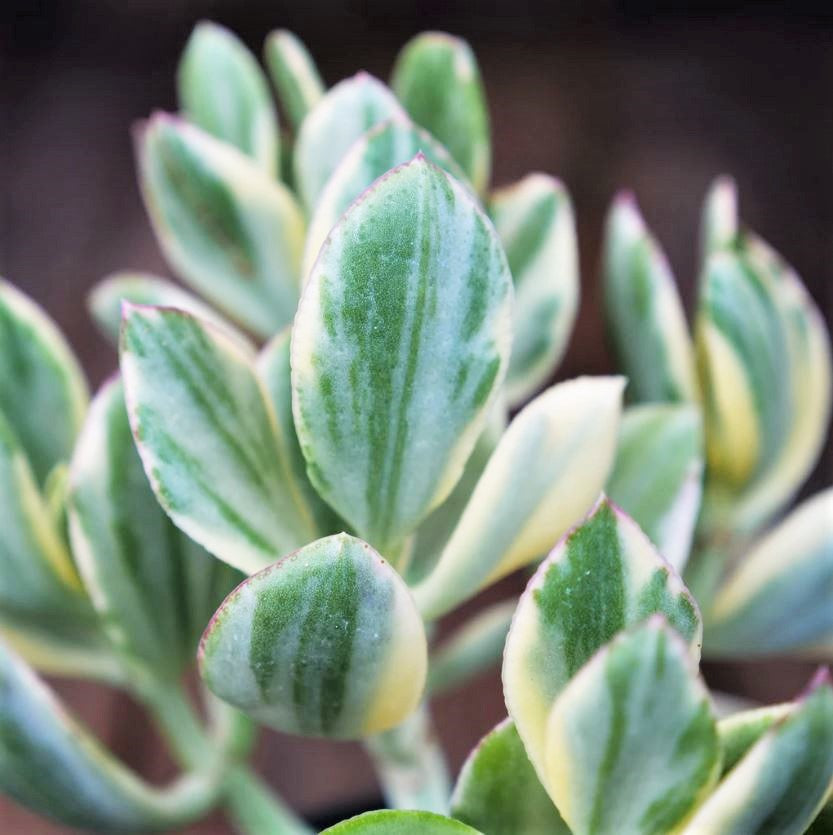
(631, 741)
(51, 764)
(294, 74)
(740, 731)
(437, 79)
(645, 317)
(227, 229)
(153, 587)
(547, 471)
(223, 91)
(603, 577)
(534, 219)
(778, 599)
(781, 783)
(341, 117)
(325, 642)
(658, 473)
(207, 436)
(398, 349)
(40, 380)
(719, 222)
(395, 822)
(393, 142)
(499, 792)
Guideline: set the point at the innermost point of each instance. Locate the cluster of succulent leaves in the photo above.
(342, 440)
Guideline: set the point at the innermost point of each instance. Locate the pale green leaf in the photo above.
(227, 229)
(437, 79)
(395, 822)
(719, 222)
(740, 731)
(294, 74)
(398, 350)
(325, 642)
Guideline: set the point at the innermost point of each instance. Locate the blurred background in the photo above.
(655, 97)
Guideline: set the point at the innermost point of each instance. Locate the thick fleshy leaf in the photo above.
(657, 475)
(227, 229)
(631, 742)
(43, 395)
(603, 577)
(398, 349)
(534, 219)
(393, 142)
(104, 302)
(546, 473)
(294, 75)
(779, 598)
(645, 317)
(782, 782)
(154, 588)
(499, 792)
(437, 79)
(719, 222)
(740, 731)
(326, 642)
(51, 764)
(223, 90)
(343, 115)
(395, 822)
(207, 436)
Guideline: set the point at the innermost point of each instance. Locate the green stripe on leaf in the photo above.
(294, 74)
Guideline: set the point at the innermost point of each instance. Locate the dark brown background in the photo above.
(656, 97)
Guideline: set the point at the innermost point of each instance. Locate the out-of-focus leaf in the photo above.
(437, 79)
(719, 223)
(326, 642)
(547, 471)
(52, 765)
(657, 475)
(645, 316)
(227, 229)
(603, 577)
(294, 74)
(783, 780)
(391, 143)
(631, 741)
(395, 822)
(398, 350)
(499, 792)
(223, 90)
(43, 395)
(779, 598)
(153, 587)
(207, 436)
(329, 130)
(534, 219)
(740, 731)
(104, 302)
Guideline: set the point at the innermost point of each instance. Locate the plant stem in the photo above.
(410, 765)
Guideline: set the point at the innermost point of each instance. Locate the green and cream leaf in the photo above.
(396, 822)
(719, 224)
(294, 74)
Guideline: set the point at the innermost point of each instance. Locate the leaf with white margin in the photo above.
(631, 741)
(153, 587)
(740, 731)
(398, 350)
(229, 231)
(104, 302)
(603, 577)
(54, 766)
(273, 369)
(778, 600)
(393, 142)
(547, 471)
(437, 79)
(645, 317)
(325, 642)
(719, 222)
(783, 780)
(534, 220)
(499, 792)
(329, 130)
(207, 436)
(396, 822)
(294, 74)
(223, 91)
(658, 473)
(43, 395)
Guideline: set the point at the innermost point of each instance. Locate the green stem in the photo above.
(254, 809)
(410, 765)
